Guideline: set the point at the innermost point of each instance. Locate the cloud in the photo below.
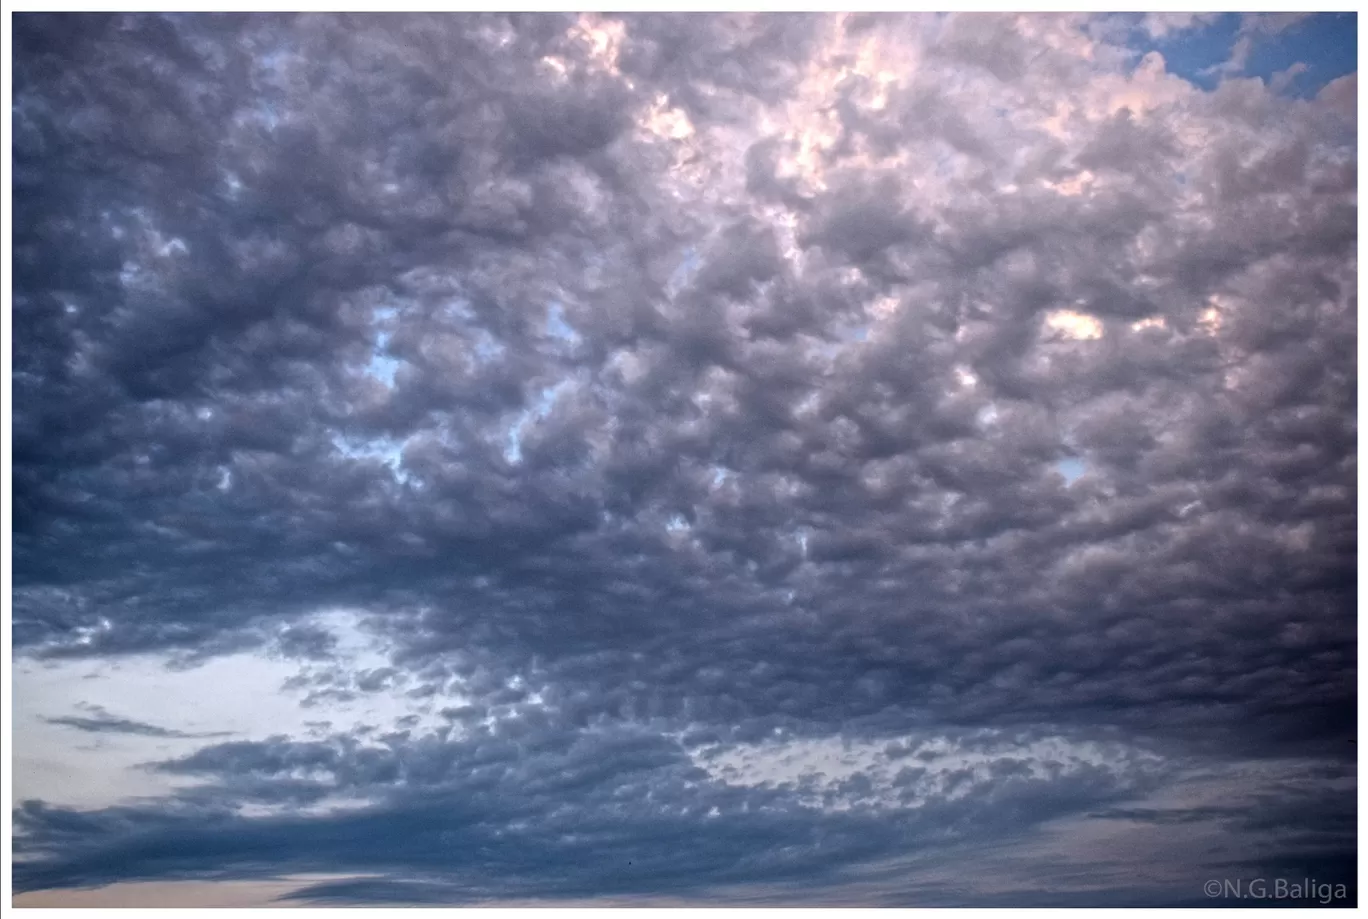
(561, 813)
(1255, 28)
(654, 385)
(1161, 25)
(102, 722)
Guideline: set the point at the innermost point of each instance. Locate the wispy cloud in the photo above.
(100, 721)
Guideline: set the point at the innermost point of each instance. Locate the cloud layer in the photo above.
(967, 397)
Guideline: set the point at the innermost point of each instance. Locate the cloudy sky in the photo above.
(748, 459)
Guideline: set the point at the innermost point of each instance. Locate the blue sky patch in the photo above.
(1326, 44)
(1071, 469)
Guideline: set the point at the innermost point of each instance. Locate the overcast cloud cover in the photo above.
(747, 459)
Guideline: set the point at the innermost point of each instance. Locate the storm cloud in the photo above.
(748, 459)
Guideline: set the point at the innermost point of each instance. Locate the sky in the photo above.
(753, 459)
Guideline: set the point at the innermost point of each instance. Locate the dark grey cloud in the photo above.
(654, 384)
(559, 812)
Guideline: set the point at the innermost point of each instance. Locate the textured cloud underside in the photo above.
(826, 440)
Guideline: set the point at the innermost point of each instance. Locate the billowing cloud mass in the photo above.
(787, 459)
